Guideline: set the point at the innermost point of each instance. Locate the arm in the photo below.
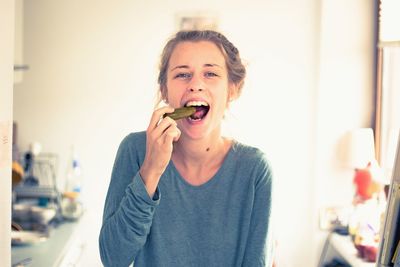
(259, 245)
(128, 211)
(133, 193)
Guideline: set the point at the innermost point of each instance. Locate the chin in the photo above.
(199, 132)
(194, 134)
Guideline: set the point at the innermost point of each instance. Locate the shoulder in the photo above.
(250, 154)
(253, 159)
(133, 144)
(135, 139)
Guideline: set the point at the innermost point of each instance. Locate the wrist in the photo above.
(150, 179)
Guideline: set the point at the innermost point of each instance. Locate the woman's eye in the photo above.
(183, 75)
(210, 74)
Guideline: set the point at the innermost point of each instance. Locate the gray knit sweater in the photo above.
(223, 222)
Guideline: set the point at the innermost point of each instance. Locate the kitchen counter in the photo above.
(63, 246)
(341, 247)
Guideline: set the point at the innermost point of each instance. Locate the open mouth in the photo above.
(201, 107)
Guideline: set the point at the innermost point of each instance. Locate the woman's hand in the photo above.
(159, 144)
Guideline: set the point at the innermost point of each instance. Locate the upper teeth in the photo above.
(196, 103)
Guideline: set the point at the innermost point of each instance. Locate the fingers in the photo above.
(157, 114)
(162, 130)
(164, 124)
(172, 134)
(178, 134)
(165, 131)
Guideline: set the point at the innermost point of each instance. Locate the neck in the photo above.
(198, 160)
(198, 153)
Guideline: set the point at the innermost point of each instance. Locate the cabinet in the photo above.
(19, 65)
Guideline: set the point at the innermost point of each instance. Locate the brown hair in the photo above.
(235, 67)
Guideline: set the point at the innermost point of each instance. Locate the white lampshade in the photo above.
(360, 148)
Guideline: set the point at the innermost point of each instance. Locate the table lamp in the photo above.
(361, 148)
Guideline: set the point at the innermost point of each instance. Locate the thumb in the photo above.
(178, 134)
(171, 135)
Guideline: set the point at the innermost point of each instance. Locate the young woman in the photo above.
(181, 194)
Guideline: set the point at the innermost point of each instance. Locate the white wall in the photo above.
(345, 97)
(92, 80)
(6, 103)
(346, 76)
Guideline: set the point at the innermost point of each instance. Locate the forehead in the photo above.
(193, 53)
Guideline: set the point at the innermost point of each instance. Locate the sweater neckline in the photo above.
(226, 161)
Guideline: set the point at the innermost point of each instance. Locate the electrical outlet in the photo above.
(334, 216)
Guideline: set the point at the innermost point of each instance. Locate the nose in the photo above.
(196, 84)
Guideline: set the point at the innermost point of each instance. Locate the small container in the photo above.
(42, 215)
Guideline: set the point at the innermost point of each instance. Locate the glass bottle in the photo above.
(71, 205)
(73, 185)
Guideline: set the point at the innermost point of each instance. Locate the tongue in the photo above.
(200, 112)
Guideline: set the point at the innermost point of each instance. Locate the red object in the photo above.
(370, 253)
(366, 186)
(363, 182)
(367, 253)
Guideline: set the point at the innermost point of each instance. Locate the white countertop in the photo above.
(50, 252)
(345, 248)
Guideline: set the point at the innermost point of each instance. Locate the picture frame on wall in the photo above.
(197, 20)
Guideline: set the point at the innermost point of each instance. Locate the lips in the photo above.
(202, 109)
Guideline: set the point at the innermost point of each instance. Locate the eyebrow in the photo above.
(212, 65)
(180, 67)
(186, 66)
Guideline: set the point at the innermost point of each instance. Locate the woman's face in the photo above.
(197, 76)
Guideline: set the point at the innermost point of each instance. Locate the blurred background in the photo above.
(88, 78)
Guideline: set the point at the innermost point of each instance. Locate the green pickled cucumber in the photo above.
(180, 113)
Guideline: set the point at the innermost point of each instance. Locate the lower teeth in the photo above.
(194, 119)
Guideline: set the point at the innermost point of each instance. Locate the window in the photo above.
(388, 84)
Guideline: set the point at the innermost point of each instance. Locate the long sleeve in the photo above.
(259, 244)
(128, 211)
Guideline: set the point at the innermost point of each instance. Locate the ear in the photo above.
(164, 93)
(232, 92)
